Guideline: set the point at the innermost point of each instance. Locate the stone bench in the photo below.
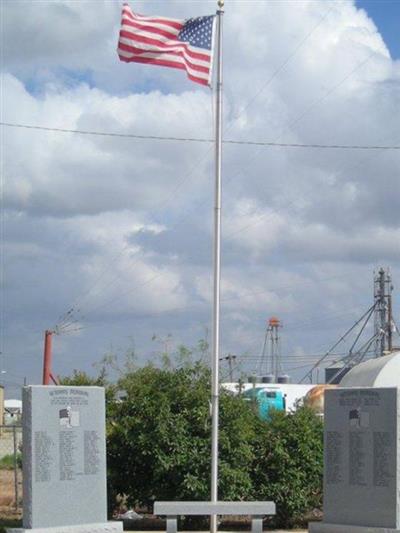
(257, 510)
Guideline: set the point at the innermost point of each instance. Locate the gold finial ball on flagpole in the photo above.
(221, 4)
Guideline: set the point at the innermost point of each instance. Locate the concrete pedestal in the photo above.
(108, 527)
(322, 527)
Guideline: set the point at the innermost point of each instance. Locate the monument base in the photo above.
(322, 527)
(108, 527)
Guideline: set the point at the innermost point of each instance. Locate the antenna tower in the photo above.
(270, 363)
(383, 321)
(380, 343)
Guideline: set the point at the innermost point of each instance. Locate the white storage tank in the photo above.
(380, 372)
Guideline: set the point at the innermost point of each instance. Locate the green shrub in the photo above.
(159, 439)
(290, 465)
(7, 462)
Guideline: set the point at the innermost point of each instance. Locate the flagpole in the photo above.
(217, 271)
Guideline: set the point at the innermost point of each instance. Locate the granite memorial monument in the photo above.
(64, 461)
(361, 462)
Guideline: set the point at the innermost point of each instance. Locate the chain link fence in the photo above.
(10, 470)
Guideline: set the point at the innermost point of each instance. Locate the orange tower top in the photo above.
(274, 321)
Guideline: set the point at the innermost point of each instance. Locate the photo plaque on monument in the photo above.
(64, 460)
(361, 458)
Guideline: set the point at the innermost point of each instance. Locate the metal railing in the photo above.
(10, 468)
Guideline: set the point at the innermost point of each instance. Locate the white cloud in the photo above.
(79, 174)
(130, 222)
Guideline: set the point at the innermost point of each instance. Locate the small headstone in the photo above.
(64, 460)
(361, 461)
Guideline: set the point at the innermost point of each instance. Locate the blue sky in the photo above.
(386, 15)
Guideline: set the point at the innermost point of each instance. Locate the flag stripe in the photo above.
(181, 54)
(172, 23)
(157, 29)
(147, 43)
(169, 59)
(165, 63)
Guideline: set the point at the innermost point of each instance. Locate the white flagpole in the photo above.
(217, 271)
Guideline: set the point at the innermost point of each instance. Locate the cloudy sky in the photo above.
(119, 230)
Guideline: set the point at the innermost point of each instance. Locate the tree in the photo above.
(80, 378)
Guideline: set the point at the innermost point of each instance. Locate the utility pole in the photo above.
(383, 319)
(230, 358)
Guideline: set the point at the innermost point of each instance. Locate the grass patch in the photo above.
(7, 462)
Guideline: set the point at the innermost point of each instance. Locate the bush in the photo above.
(290, 465)
(7, 462)
(159, 439)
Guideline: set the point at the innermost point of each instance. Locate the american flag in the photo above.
(184, 44)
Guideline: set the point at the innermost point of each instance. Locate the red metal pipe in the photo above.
(47, 357)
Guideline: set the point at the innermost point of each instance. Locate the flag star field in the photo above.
(198, 32)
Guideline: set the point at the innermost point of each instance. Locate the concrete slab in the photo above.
(222, 531)
(322, 527)
(108, 527)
